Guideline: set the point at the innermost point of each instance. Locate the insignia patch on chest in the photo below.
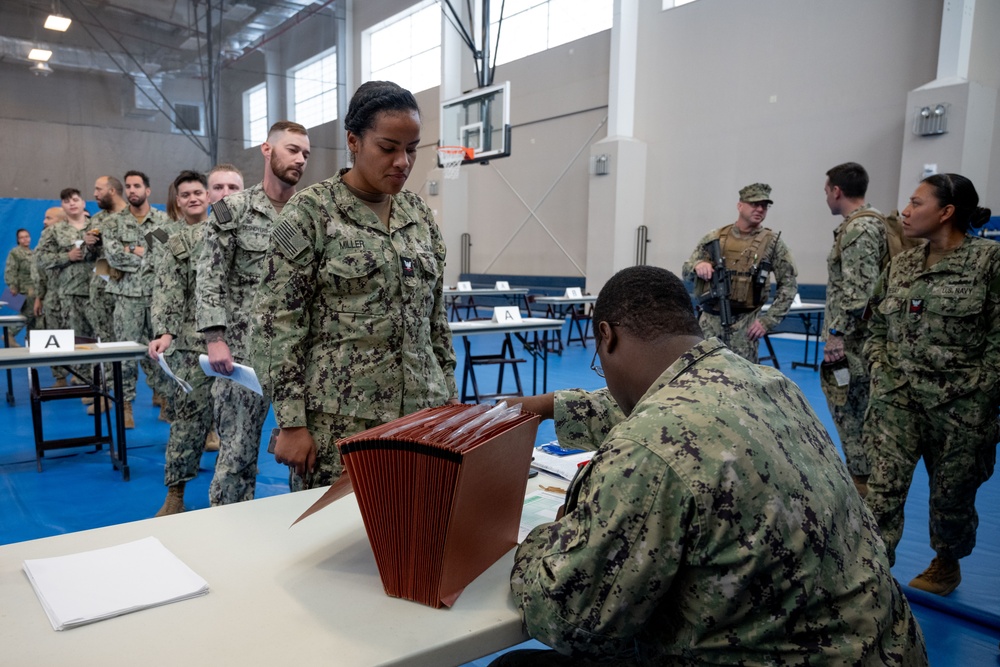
(349, 245)
(222, 212)
(407, 267)
(916, 306)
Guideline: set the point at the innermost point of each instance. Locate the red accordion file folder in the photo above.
(441, 493)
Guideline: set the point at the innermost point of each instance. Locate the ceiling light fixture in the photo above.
(41, 55)
(57, 22)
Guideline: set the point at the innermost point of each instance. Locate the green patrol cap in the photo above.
(756, 192)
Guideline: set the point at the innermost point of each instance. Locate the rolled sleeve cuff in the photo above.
(290, 413)
(211, 317)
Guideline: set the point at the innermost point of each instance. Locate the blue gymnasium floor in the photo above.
(78, 490)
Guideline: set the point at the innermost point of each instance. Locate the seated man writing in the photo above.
(716, 523)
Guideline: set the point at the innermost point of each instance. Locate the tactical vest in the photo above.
(743, 255)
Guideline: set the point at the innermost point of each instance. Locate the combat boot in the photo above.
(861, 484)
(87, 400)
(212, 441)
(105, 406)
(59, 383)
(174, 504)
(128, 418)
(941, 578)
(157, 399)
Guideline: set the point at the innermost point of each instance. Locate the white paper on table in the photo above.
(539, 507)
(562, 466)
(244, 375)
(103, 583)
(166, 369)
(113, 344)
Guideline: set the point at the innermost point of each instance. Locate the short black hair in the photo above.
(851, 178)
(67, 193)
(371, 99)
(649, 302)
(189, 175)
(958, 191)
(22, 229)
(135, 172)
(115, 185)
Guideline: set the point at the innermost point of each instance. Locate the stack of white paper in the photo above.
(562, 466)
(103, 583)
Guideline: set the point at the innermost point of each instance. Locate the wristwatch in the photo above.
(131, 247)
(834, 332)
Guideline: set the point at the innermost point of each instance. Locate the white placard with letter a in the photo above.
(573, 293)
(507, 314)
(463, 286)
(502, 284)
(51, 340)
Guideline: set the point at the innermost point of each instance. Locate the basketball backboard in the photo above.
(479, 120)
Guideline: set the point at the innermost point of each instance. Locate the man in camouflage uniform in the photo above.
(853, 266)
(237, 235)
(749, 250)
(935, 389)
(176, 337)
(128, 248)
(17, 274)
(716, 524)
(64, 246)
(46, 306)
(108, 195)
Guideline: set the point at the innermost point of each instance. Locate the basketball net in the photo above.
(451, 158)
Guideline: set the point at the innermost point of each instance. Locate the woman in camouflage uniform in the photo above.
(352, 329)
(935, 360)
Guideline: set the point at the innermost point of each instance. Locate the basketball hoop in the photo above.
(451, 158)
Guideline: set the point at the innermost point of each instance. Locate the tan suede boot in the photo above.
(87, 400)
(59, 383)
(941, 577)
(129, 420)
(105, 406)
(174, 504)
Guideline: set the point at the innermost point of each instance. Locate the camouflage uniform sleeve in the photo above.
(211, 286)
(10, 271)
(784, 275)
(441, 341)
(990, 383)
(167, 306)
(283, 308)
(49, 254)
(584, 418)
(572, 578)
(38, 278)
(699, 255)
(874, 349)
(861, 253)
(114, 249)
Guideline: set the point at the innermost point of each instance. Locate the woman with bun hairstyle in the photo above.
(934, 353)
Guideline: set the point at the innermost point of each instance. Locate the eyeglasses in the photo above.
(758, 204)
(594, 366)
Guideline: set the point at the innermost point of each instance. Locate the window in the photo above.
(531, 26)
(188, 118)
(314, 90)
(406, 49)
(255, 116)
(670, 4)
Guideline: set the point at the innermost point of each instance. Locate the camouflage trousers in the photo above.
(958, 444)
(132, 323)
(102, 308)
(52, 318)
(76, 316)
(326, 429)
(848, 411)
(28, 311)
(192, 418)
(239, 419)
(711, 325)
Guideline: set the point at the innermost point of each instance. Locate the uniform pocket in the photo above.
(354, 282)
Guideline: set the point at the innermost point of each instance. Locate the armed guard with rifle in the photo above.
(748, 254)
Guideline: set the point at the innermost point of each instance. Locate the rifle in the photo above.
(720, 288)
(762, 277)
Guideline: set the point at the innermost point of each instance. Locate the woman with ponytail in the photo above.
(935, 364)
